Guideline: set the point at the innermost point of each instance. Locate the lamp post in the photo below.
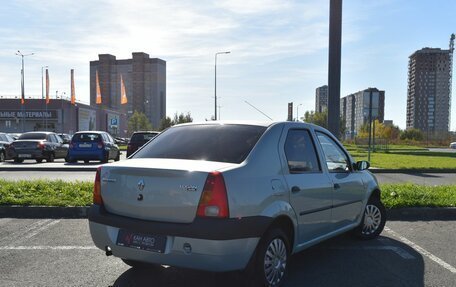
(18, 53)
(42, 93)
(297, 112)
(215, 82)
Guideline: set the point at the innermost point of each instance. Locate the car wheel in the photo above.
(271, 259)
(117, 157)
(18, 160)
(67, 159)
(2, 156)
(373, 222)
(105, 158)
(39, 160)
(51, 157)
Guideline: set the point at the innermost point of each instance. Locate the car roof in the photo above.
(90, 132)
(258, 123)
(38, 132)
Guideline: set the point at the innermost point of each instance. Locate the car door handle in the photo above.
(295, 189)
(336, 186)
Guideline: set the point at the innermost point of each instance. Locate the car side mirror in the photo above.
(362, 165)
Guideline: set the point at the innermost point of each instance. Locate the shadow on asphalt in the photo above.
(342, 261)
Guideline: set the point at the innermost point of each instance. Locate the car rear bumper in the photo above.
(90, 154)
(215, 244)
(29, 154)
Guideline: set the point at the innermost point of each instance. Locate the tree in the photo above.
(178, 119)
(321, 119)
(412, 134)
(139, 122)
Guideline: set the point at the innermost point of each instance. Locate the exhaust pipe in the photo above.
(108, 250)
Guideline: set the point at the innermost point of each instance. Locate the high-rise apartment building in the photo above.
(429, 89)
(321, 99)
(355, 109)
(145, 85)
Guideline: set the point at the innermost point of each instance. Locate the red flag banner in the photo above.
(97, 83)
(48, 99)
(123, 94)
(73, 94)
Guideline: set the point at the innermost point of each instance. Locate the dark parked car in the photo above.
(38, 146)
(66, 138)
(138, 139)
(5, 142)
(93, 145)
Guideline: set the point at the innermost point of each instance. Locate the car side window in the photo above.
(3, 138)
(300, 152)
(336, 159)
(50, 138)
(58, 138)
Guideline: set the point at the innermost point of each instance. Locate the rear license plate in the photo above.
(85, 145)
(24, 155)
(155, 243)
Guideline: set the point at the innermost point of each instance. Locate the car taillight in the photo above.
(100, 145)
(40, 146)
(97, 188)
(214, 199)
(129, 146)
(71, 145)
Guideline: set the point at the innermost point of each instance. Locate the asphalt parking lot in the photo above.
(59, 252)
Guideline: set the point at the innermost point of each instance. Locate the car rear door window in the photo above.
(336, 159)
(223, 143)
(300, 152)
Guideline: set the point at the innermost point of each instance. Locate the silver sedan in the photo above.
(226, 196)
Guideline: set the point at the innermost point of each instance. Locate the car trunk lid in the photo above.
(166, 190)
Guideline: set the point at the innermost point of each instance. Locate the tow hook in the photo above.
(108, 250)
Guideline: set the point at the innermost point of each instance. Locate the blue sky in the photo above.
(279, 48)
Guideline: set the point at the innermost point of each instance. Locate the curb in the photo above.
(395, 214)
(411, 171)
(421, 214)
(60, 169)
(44, 212)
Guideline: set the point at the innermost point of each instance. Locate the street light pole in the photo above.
(297, 112)
(215, 82)
(18, 53)
(42, 93)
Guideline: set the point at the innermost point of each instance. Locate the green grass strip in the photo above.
(62, 193)
(45, 193)
(413, 195)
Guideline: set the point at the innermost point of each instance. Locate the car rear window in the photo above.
(223, 143)
(142, 137)
(86, 138)
(33, 136)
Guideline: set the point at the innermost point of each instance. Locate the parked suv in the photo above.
(5, 142)
(228, 196)
(38, 146)
(93, 145)
(138, 139)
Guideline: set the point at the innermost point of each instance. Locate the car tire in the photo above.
(139, 264)
(67, 159)
(373, 221)
(117, 157)
(271, 259)
(2, 156)
(51, 157)
(39, 160)
(105, 158)
(18, 160)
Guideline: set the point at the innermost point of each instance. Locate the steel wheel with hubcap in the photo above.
(272, 257)
(373, 221)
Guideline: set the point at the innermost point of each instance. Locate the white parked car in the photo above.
(229, 196)
(453, 145)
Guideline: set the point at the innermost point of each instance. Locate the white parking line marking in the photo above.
(48, 248)
(21, 233)
(399, 251)
(422, 251)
